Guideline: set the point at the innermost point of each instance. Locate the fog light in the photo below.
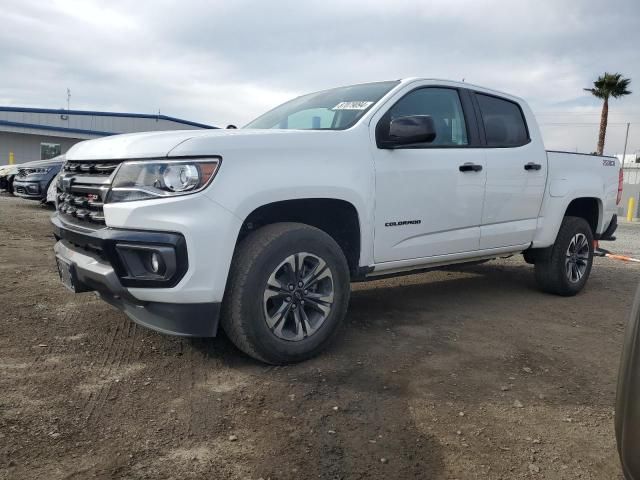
(155, 262)
(146, 262)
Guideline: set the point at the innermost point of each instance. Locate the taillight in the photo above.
(620, 182)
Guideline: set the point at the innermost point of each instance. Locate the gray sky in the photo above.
(222, 62)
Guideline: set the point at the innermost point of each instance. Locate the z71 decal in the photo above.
(608, 163)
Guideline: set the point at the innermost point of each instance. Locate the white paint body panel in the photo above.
(207, 228)
(51, 190)
(501, 210)
(574, 176)
(426, 185)
(513, 195)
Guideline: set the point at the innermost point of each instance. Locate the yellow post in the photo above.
(630, 206)
(11, 159)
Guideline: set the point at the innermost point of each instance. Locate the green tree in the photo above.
(608, 85)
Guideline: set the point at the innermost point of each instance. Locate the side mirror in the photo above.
(408, 130)
(628, 397)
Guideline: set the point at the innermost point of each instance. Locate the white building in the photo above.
(630, 159)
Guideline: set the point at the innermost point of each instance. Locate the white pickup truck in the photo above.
(261, 230)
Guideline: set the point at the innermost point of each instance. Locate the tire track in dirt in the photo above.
(191, 382)
(89, 401)
(38, 364)
(111, 355)
(114, 367)
(196, 376)
(177, 428)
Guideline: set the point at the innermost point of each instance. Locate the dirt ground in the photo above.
(457, 374)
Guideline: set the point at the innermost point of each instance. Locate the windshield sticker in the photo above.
(352, 106)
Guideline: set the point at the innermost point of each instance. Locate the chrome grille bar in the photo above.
(82, 190)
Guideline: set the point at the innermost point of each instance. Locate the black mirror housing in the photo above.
(407, 130)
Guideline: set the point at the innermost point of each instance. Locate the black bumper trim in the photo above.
(103, 241)
(90, 272)
(181, 319)
(21, 189)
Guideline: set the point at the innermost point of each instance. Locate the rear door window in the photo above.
(503, 121)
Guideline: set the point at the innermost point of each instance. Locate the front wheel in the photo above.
(566, 267)
(287, 293)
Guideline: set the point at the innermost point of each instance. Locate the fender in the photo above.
(267, 168)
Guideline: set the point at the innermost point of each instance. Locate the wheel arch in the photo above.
(588, 208)
(337, 217)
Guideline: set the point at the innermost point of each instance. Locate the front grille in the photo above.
(83, 206)
(82, 190)
(92, 168)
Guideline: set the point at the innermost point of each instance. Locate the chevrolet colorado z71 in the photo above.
(261, 230)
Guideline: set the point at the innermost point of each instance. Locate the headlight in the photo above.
(38, 171)
(142, 180)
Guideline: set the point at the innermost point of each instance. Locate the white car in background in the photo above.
(7, 174)
(52, 191)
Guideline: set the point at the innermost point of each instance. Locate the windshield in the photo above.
(334, 109)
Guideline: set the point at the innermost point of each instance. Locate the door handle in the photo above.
(470, 167)
(532, 166)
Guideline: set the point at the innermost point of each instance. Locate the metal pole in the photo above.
(626, 139)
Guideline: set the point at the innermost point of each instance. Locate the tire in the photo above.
(251, 309)
(563, 271)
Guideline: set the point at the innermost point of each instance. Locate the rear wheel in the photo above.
(566, 268)
(287, 293)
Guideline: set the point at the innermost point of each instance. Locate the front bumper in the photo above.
(91, 257)
(33, 190)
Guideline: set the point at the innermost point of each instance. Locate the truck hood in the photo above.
(190, 142)
(132, 145)
(52, 162)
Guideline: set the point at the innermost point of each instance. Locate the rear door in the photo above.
(429, 196)
(516, 173)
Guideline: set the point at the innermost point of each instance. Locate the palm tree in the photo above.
(608, 85)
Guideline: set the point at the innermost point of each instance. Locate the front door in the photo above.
(429, 196)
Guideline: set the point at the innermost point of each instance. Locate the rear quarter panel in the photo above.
(573, 176)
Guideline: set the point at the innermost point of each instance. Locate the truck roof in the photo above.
(461, 84)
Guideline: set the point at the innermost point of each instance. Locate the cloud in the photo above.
(226, 62)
